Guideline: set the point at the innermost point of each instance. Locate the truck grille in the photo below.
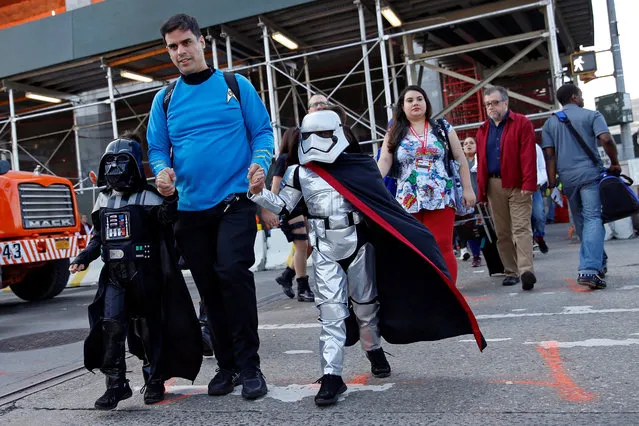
(46, 206)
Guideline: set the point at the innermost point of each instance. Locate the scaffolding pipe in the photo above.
(307, 80)
(555, 63)
(367, 70)
(447, 24)
(261, 75)
(382, 52)
(229, 54)
(391, 56)
(76, 132)
(14, 133)
(114, 119)
(269, 82)
(407, 59)
(348, 74)
(216, 64)
(296, 113)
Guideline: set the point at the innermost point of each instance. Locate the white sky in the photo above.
(628, 24)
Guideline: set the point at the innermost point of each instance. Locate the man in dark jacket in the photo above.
(507, 178)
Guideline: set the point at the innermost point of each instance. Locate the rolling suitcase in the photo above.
(489, 243)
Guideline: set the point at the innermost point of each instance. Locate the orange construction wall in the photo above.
(20, 12)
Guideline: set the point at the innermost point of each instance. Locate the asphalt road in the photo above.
(557, 355)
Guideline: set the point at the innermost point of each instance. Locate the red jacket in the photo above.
(517, 155)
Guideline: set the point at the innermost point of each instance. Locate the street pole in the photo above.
(15, 162)
(626, 137)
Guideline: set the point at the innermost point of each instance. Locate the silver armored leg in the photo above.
(331, 299)
(363, 293)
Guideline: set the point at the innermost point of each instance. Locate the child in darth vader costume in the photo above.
(378, 271)
(142, 296)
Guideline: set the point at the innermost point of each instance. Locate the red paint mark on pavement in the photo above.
(572, 284)
(561, 381)
(360, 379)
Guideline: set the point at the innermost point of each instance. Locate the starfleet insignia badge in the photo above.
(229, 95)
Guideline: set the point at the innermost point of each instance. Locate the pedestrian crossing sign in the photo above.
(583, 63)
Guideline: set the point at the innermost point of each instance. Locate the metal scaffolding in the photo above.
(280, 65)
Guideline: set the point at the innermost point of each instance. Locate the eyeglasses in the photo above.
(317, 104)
(492, 103)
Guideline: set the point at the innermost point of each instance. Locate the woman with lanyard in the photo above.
(424, 187)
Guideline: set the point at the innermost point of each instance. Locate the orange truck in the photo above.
(39, 225)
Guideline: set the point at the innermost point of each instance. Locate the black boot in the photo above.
(379, 365)
(153, 388)
(304, 293)
(118, 389)
(332, 387)
(207, 343)
(113, 366)
(286, 281)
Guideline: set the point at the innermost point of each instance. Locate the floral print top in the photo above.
(423, 183)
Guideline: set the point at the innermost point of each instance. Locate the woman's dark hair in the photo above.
(182, 22)
(400, 124)
(289, 145)
(565, 93)
(353, 143)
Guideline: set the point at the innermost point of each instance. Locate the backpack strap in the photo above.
(231, 81)
(439, 128)
(563, 118)
(167, 97)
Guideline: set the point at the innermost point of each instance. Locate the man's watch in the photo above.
(552, 185)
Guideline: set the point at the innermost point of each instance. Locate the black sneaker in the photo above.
(510, 280)
(603, 272)
(379, 364)
(224, 382)
(332, 387)
(153, 392)
(594, 281)
(114, 394)
(543, 247)
(528, 280)
(253, 383)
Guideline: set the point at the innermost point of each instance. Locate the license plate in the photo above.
(62, 244)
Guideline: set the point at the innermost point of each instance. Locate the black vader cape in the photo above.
(176, 320)
(418, 301)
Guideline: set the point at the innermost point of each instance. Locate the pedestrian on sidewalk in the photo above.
(295, 225)
(507, 178)
(141, 296)
(580, 177)
(538, 210)
(468, 231)
(317, 102)
(368, 253)
(416, 151)
(204, 136)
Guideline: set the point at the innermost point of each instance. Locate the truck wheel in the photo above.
(45, 282)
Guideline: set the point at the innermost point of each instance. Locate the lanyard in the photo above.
(423, 139)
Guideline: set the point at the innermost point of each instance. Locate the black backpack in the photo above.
(231, 82)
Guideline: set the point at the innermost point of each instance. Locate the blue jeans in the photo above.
(114, 302)
(550, 216)
(538, 215)
(585, 206)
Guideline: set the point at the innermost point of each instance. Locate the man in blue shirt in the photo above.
(204, 145)
(580, 177)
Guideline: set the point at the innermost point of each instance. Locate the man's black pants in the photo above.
(218, 248)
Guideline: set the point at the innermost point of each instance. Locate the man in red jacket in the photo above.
(507, 178)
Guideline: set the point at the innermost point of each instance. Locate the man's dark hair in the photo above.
(565, 92)
(182, 22)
